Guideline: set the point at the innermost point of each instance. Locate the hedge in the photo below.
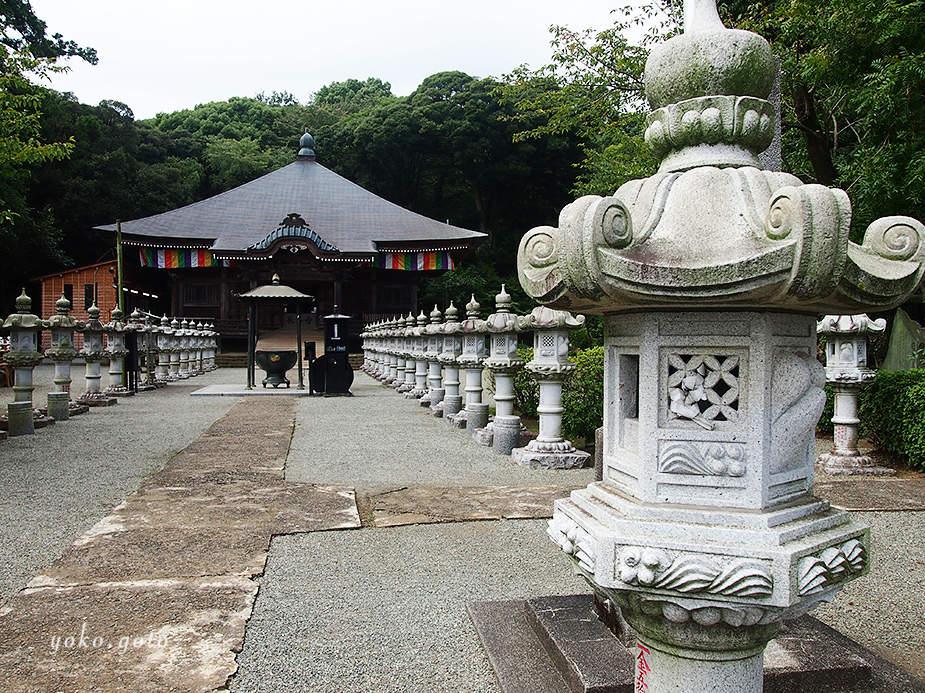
(892, 414)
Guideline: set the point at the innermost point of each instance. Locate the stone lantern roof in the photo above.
(711, 229)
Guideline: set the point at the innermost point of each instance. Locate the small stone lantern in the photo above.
(175, 349)
(93, 353)
(470, 360)
(406, 354)
(184, 345)
(452, 348)
(434, 334)
(503, 434)
(420, 358)
(847, 372)
(550, 366)
(23, 356)
(162, 345)
(62, 351)
(115, 337)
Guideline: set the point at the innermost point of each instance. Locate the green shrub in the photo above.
(825, 420)
(892, 414)
(583, 396)
(526, 390)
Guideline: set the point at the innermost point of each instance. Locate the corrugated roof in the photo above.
(339, 211)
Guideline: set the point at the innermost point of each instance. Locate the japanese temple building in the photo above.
(322, 234)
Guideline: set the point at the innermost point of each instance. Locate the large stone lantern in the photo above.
(62, 351)
(847, 372)
(710, 275)
(24, 328)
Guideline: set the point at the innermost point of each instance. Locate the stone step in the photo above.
(526, 640)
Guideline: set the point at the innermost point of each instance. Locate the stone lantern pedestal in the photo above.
(847, 372)
(407, 370)
(550, 366)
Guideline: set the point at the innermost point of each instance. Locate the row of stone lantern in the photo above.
(422, 357)
(192, 346)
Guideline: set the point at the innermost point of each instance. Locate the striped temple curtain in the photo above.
(415, 262)
(170, 259)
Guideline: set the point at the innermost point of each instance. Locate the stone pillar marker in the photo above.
(174, 338)
(162, 346)
(550, 366)
(503, 434)
(847, 372)
(710, 274)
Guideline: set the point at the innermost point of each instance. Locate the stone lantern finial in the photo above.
(62, 305)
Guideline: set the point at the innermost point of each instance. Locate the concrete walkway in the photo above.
(161, 585)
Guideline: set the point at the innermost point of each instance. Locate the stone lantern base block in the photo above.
(457, 420)
(97, 399)
(19, 419)
(536, 456)
(853, 465)
(476, 417)
(484, 436)
(558, 645)
(58, 405)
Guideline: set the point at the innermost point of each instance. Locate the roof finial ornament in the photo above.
(306, 151)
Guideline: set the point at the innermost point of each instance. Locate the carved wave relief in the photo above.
(646, 567)
(835, 564)
(705, 459)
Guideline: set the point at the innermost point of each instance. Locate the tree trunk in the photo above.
(817, 145)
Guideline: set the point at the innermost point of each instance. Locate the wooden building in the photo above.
(322, 234)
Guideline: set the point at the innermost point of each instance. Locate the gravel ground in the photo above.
(58, 483)
(883, 610)
(384, 610)
(377, 439)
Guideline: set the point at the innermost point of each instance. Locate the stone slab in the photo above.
(806, 655)
(206, 529)
(872, 494)
(143, 636)
(550, 460)
(428, 504)
(516, 654)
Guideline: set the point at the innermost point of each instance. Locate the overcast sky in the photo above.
(168, 55)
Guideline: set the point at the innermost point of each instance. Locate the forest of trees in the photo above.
(496, 155)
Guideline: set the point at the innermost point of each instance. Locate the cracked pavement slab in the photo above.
(156, 595)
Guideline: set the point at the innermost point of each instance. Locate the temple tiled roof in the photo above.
(345, 216)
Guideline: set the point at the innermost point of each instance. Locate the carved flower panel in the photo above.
(703, 388)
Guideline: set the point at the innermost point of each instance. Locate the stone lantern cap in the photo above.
(116, 324)
(712, 230)
(23, 318)
(861, 325)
